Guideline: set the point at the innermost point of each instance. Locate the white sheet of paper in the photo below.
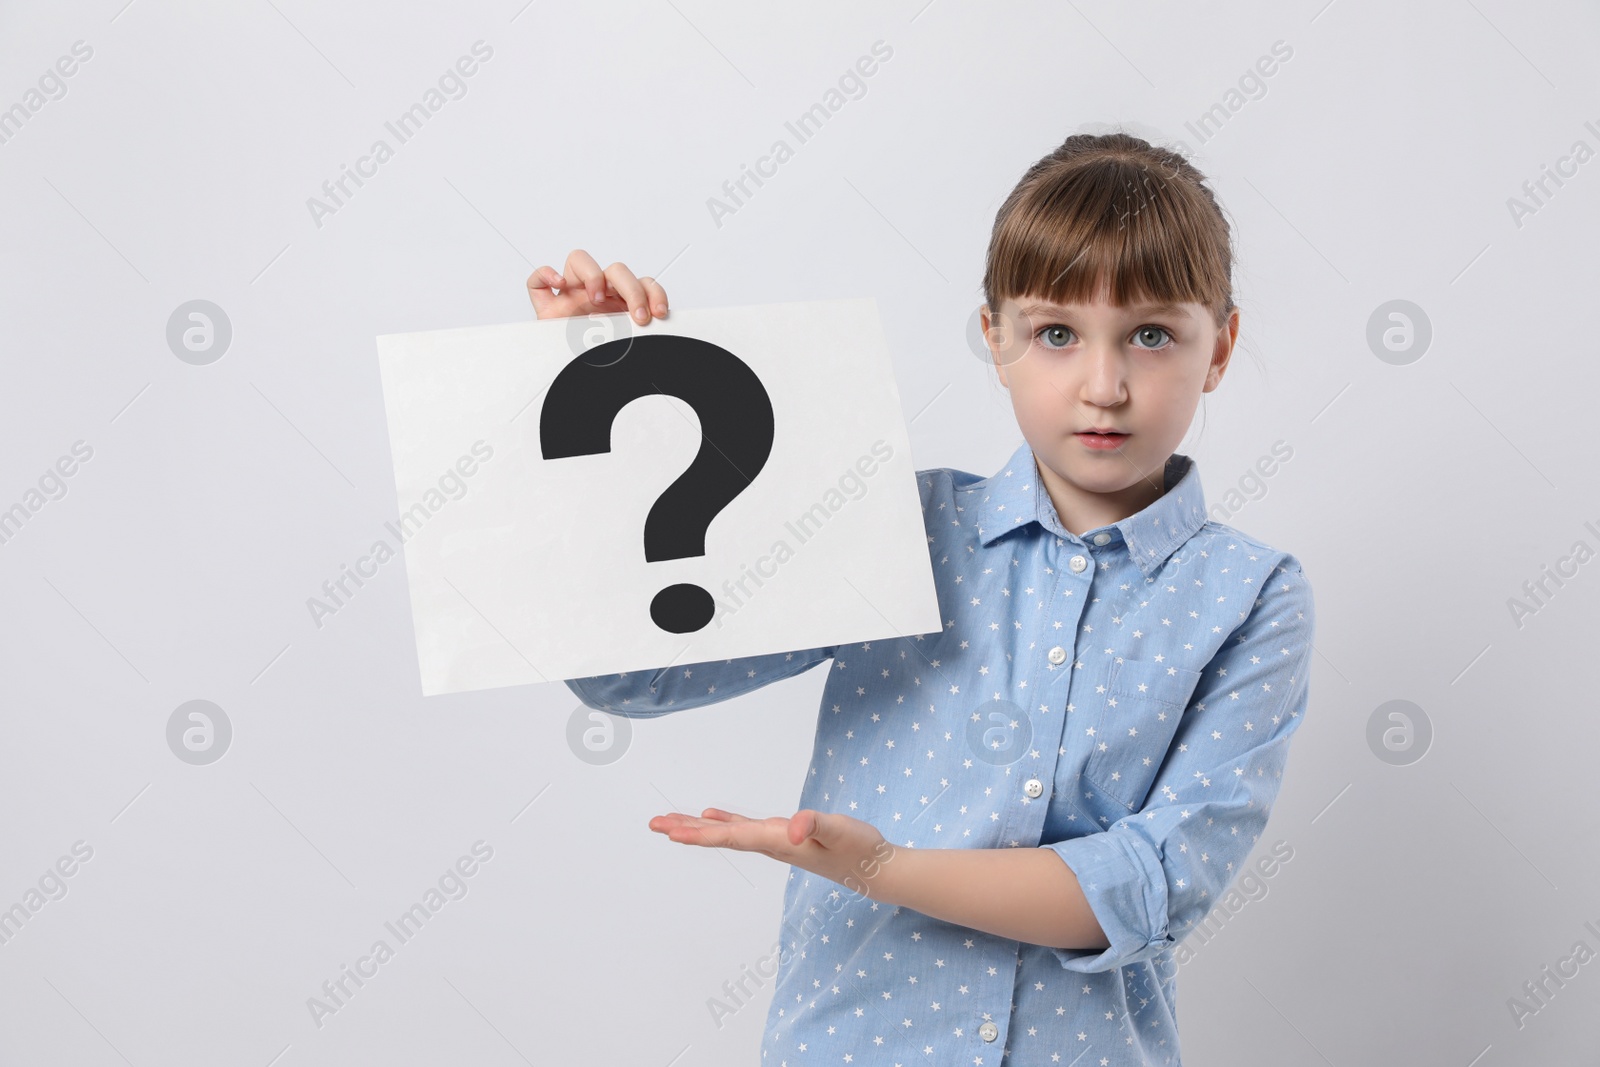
(525, 569)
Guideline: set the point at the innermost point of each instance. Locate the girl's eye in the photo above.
(1055, 336)
(1145, 332)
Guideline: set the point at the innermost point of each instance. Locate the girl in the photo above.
(1009, 826)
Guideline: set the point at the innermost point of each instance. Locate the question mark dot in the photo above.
(682, 608)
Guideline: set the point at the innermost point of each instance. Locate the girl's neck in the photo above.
(1081, 510)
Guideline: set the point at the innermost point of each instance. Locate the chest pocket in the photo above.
(1143, 703)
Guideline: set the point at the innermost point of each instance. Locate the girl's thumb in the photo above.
(805, 824)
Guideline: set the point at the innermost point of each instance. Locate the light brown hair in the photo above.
(1111, 206)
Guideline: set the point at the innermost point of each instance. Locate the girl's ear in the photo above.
(997, 335)
(1222, 351)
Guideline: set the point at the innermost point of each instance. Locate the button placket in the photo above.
(1021, 820)
(1061, 678)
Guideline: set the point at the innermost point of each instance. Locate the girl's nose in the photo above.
(1104, 375)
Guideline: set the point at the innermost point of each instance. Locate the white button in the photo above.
(1077, 563)
(988, 1031)
(1057, 654)
(1033, 787)
(1101, 538)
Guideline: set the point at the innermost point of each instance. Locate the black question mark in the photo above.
(736, 430)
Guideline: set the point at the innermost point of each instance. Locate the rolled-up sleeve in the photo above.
(643, 694)
(1153, 875)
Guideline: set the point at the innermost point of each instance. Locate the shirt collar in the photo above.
(1014, 497)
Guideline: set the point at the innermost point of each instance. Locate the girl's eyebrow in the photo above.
(1148, 309)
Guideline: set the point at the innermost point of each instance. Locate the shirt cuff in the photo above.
(1126, 887)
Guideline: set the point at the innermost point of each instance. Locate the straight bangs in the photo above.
(1108, 221)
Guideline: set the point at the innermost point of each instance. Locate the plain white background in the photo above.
(1376, 166)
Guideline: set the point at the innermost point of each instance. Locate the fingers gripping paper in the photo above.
(584, 496)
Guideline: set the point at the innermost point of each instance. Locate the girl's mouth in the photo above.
(1102, 440)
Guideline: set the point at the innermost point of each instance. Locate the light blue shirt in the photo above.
(1124, 698)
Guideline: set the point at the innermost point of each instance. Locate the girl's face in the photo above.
(1138, 370)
